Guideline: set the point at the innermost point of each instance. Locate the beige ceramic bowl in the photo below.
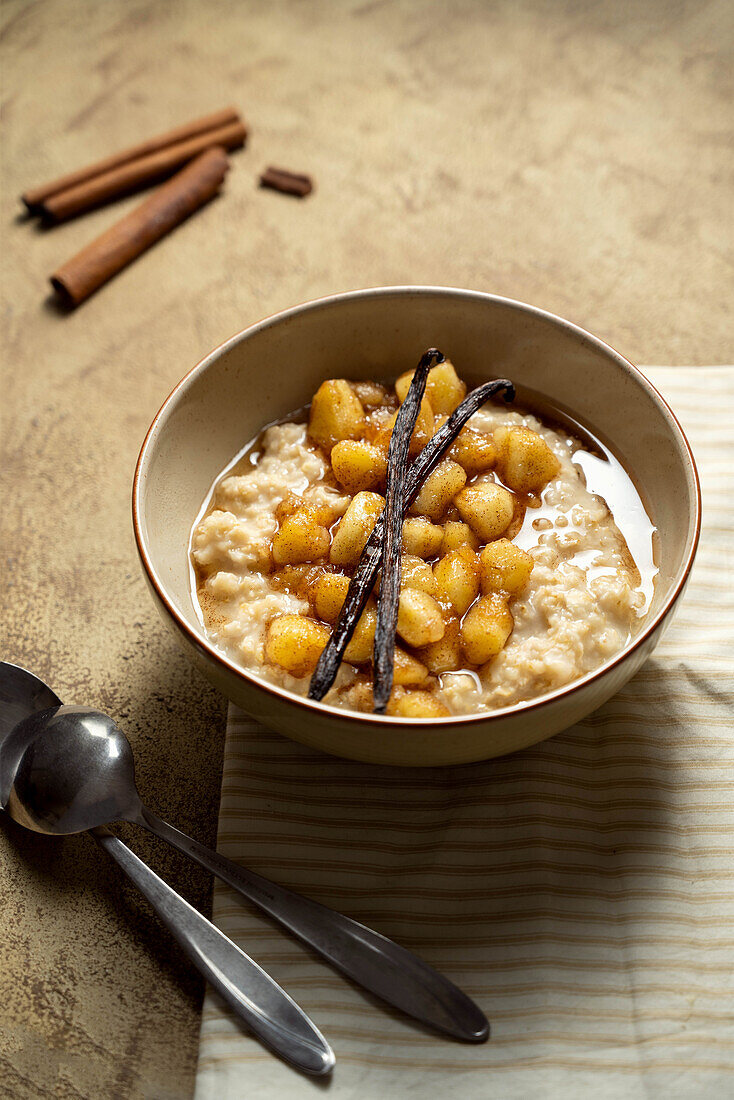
(274, 367)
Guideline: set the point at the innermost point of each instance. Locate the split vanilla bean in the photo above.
(397, 468)
(364, 576)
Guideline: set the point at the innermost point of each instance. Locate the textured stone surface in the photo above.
(573, 154)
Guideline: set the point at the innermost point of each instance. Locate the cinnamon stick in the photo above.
(34, 198)
(166, 208)
(130, 177)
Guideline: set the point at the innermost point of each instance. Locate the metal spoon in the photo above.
(250, 992)
(71, 768)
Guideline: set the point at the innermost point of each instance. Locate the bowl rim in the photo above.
(340, 714)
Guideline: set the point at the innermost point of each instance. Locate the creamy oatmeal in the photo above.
(516, 579)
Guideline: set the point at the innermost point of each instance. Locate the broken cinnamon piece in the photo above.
(291, 183)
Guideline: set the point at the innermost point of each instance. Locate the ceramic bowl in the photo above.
(274, 366)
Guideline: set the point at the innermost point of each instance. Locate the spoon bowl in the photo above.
(76, 772)
(21, 694)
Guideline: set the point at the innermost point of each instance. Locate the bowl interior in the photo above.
(275, 366)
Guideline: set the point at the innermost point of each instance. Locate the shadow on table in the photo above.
(177, 733)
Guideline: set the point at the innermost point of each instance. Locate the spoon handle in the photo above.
(248, 990)
(373, 961)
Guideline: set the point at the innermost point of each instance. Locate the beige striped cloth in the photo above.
(581, 891)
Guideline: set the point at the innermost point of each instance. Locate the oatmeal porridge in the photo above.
(516, 578)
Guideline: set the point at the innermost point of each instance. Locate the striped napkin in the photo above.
(581, 891)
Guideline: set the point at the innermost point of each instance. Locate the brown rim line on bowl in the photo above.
(379, 332)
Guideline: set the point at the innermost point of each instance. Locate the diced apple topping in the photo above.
(358, 465)
(444, 388)
(474, 451)
(421, 538)
(328, 593)
(336, 413)
(486, 627)
(505, 567)
(295, 643)
(407, 670)
(297, 579)
(439, 489)
(355, 527)
(487, 508)
(525, 462)
(362, 642)
(456, 533)
(416, 573)
(301, 537)
(416, 704)
(457, 576)
(420, 621)
(445, 655)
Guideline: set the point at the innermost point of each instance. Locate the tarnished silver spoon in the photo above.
(249, 991)
(71, 768)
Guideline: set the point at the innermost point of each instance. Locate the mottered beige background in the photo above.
(572, 154)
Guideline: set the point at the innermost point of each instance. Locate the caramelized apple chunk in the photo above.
(355, 527)
(290, 504)
(456, 534)
(505, 567)
(487, 508)
(439, 489)
(444, 388)
(336, 413)
(486, 627)
(327, 595)
(408, 670)
(421, 538)
(295, 643)
(416, 704)
(301, 537)
(416, 573)
(362, 642)
(525, 462)
(475, 451)
(297, 579)
(358, 465)
(420, 621)
(446, 654)
(457, 576)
